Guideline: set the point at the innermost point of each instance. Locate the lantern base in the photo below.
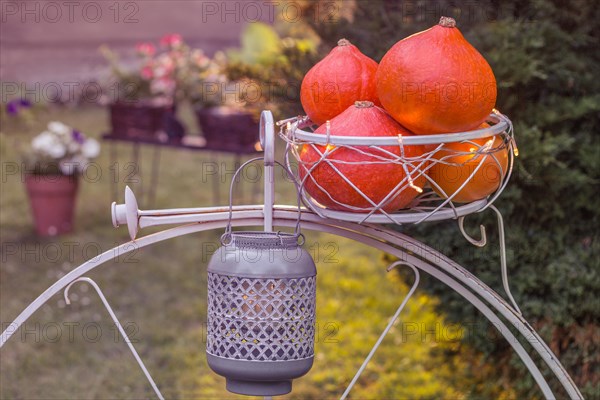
(259, 378)
(254, 388)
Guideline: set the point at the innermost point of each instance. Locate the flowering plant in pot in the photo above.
(55, 160)
(18, 108)
(146, 93)
(17, 114)
(227, 110)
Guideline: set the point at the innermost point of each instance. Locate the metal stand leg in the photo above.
(267, 141)
(138, 170)
(239, 185)
(387, 328)
(115, 178)
(216, 180)
(483, 241)
(254, 193)
(119, 326)
(503, 266)
(154, 175)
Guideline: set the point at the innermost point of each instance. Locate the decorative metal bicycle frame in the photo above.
(411, 253)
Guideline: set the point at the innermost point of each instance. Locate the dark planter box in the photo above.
(140, 119)
(228, 129)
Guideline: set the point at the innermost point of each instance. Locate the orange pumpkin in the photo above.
(344, 76)
(436, 82)
(375, 180)
(458, 161)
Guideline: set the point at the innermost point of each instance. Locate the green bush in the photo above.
(547, 64)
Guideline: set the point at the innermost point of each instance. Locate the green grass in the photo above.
(161, 293)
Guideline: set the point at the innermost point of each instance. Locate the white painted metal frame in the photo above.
(408, 250)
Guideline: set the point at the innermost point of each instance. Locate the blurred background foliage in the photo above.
(545, 55)
(276, 59)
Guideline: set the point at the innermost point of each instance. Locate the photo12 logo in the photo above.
(67, 252)
(69, 11)
(269, 11)
(73, 332)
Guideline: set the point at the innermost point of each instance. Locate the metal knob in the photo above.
(127, 213)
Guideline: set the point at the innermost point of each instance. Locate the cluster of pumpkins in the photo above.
(432, 82)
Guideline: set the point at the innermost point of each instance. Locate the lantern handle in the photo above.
(225, 239)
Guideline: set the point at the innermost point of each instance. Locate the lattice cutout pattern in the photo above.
(258, 319)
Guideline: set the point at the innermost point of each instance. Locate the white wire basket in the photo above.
(449, 176)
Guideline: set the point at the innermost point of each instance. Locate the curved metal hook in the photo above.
(483, 241)
(119, 326)
(479, 243)
(503, 266)
(389, 325)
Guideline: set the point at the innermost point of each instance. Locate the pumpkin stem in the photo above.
(363, 104)
(344, 42)
(447, 22)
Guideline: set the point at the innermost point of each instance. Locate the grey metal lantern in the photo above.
(261, 311)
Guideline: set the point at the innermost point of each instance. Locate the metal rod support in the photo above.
(136, 219)
(387, 328)
(113, 316)
(503, 265)
(267, 140)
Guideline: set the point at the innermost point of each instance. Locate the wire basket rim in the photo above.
(501, 124)
(399, 217)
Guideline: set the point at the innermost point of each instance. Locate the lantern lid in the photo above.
(263, 240)
(256, 254)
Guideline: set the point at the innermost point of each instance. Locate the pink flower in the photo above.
(200, 59)
(147, 73)
(171, 40)
(145, 49)
(164, 86)
(164, 66)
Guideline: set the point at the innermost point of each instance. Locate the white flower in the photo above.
(90, 148)
(68, 167)
(163, 86)
(43, 141)
(73, 147)
(56, 150)
(59, 128)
